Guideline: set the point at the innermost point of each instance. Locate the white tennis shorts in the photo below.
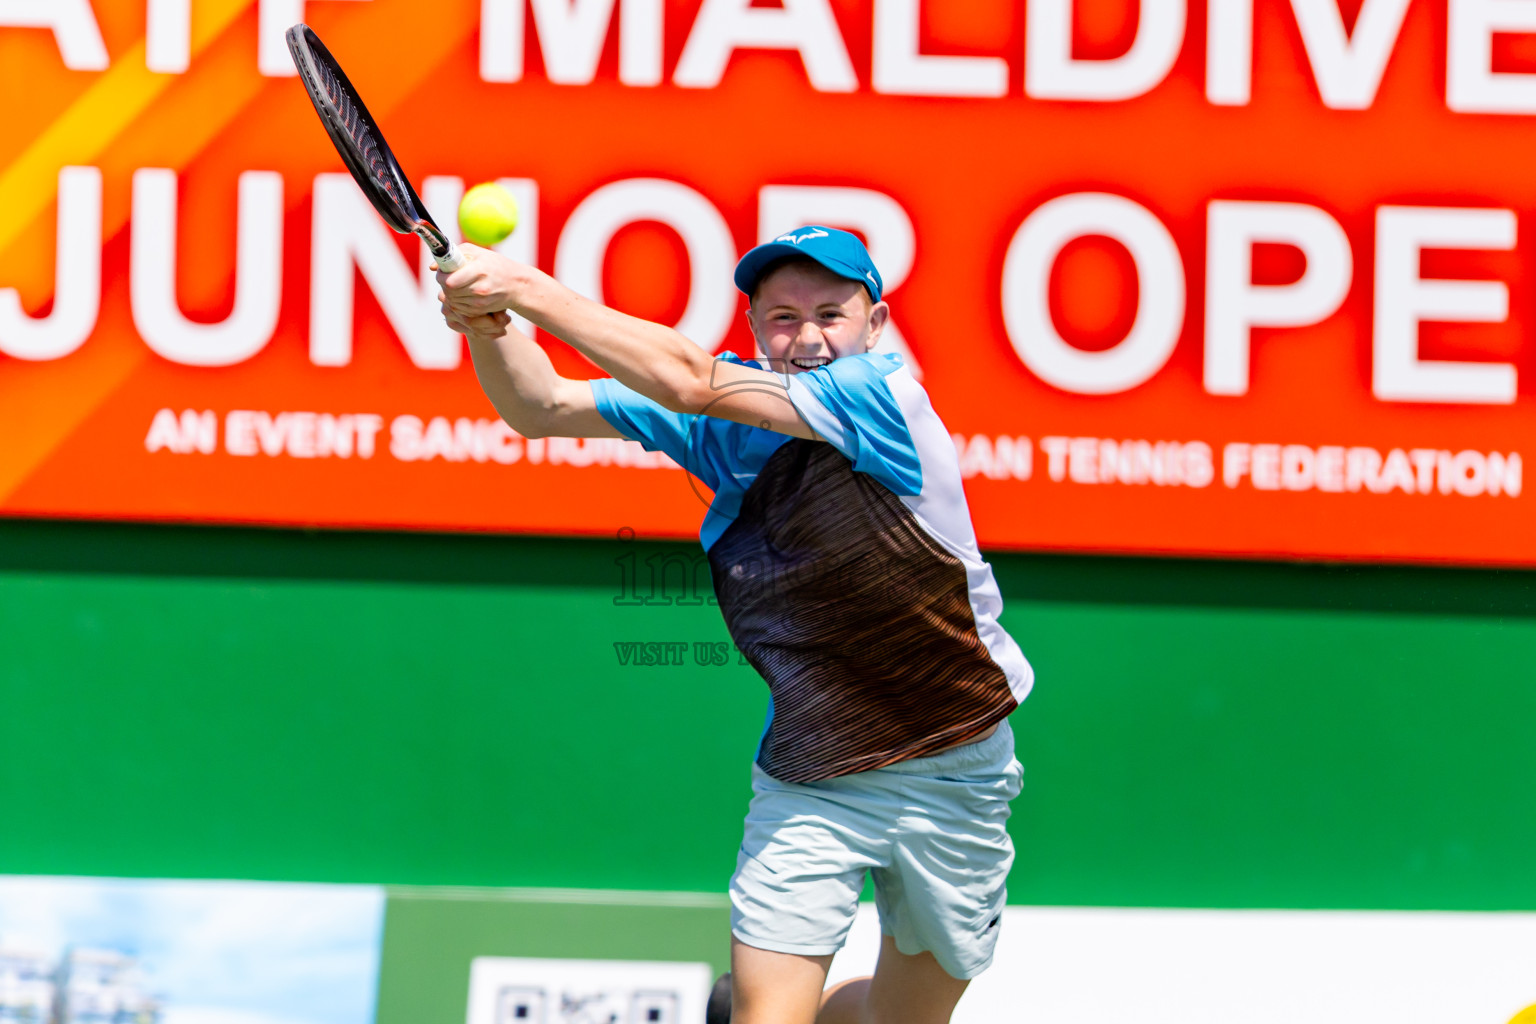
(931, 831)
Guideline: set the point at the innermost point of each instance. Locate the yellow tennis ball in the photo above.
(487, 214)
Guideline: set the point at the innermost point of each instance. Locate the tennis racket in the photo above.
(362, 146)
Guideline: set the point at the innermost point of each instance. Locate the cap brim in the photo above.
(751, 267)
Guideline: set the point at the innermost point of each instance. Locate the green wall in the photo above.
(430, 710)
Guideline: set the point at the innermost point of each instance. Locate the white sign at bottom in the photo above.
(515, 990)
(1081, 965)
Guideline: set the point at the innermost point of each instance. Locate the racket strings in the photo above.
(357, 128)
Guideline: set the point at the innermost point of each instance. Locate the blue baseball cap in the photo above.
(838, 251)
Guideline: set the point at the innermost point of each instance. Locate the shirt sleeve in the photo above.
(656, 427)
(850, 403)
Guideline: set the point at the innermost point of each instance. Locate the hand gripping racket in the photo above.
(362, 146)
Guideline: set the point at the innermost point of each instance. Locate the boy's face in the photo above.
(805, 316)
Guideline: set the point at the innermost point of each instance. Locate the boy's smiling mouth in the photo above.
(811, 362)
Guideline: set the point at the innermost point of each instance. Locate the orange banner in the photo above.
(1247, 282)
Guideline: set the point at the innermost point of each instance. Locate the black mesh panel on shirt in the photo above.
(859, 621)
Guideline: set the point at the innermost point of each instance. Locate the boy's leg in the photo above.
(905, 990)
(775, 988)
(943, 889)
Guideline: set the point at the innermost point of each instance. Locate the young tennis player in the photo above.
(846, 568)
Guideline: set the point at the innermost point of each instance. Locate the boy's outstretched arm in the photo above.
(521, 382)
(654, 360)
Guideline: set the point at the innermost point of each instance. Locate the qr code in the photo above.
(520, 1004)
(508, 990)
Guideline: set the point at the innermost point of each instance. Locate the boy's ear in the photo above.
(752, 327)
(879, 316)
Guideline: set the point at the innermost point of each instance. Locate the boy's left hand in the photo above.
(477, 328)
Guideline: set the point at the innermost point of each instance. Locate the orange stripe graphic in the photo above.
(41, 405)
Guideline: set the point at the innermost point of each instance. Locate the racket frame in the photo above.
(404, 211)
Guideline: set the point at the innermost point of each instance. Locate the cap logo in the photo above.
(794, 238)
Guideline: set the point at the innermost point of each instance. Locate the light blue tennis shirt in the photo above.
(846, 568)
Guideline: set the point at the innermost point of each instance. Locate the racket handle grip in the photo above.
(452, 260)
